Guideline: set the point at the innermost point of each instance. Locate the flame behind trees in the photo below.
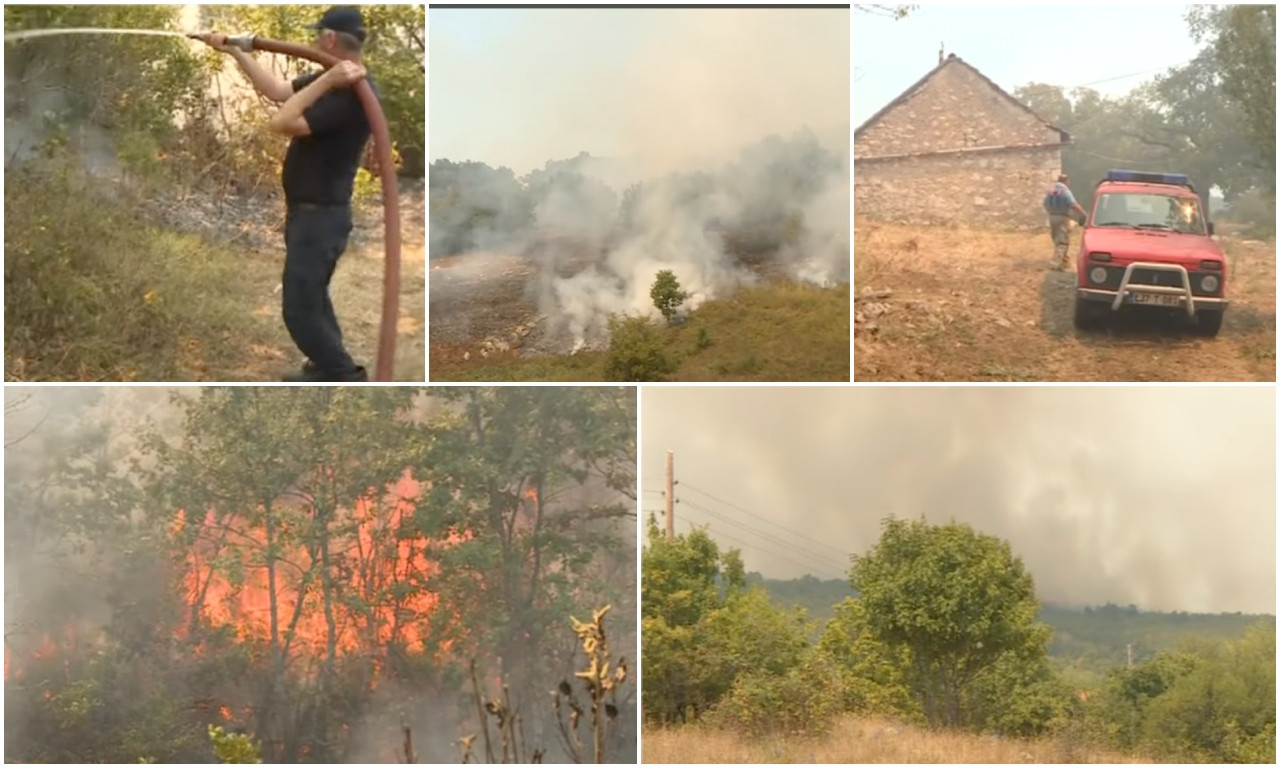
(312, 544)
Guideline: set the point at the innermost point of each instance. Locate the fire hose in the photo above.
(390, 190)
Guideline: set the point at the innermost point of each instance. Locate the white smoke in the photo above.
(706, 109)
(783, 207)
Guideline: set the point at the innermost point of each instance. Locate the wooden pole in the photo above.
(671, 496)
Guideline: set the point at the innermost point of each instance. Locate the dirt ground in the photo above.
(485, 304)
(936, 304)
(356, 291)
(480, 306)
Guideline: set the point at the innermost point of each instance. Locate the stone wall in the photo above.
(956, 150)
(954, 109)
(1003, 188)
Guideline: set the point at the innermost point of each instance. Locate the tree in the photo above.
(666, 293)
(1220, 705)
(264, 484)
(531, 476)
(955, 599)
(1242, 42)
(259, 559)
(872, 674)
(1181, 121)
(684, 580)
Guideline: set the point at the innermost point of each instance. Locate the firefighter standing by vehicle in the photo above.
(1060, 204)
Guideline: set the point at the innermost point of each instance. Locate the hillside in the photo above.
(1089, 639)
(777, 331)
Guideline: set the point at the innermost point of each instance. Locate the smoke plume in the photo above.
(1159, 497)
(715, 145)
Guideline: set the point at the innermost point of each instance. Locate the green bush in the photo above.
(635, 351)
(233, 747)
(801, 702)
(108, 296)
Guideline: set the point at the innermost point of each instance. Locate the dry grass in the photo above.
(980, 305)
(776, 331)
(357, 299)
(862, 740)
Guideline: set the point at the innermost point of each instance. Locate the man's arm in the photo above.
(264, 82)
(1074, 205)
(290, 119)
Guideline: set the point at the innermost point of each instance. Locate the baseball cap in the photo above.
(343, 18)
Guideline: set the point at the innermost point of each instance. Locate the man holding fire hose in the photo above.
(329, 131)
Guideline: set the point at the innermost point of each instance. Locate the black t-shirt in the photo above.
(321, 167)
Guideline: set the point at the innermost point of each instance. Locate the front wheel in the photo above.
(1208, 322)
(1088, 315)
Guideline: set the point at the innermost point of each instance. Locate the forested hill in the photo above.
(1092, 638)
(816, 596)
(1096, 638)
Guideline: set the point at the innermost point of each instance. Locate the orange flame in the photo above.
(374, 561)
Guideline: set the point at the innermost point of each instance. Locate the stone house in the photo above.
(955, 149)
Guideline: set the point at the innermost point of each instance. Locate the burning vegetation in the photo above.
(310, 575)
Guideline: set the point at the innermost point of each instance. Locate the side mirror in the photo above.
(1211, 229)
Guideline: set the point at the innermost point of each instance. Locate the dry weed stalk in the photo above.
(510, 727)
(601, 683)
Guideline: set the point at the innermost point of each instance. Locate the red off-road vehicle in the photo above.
(1148, 245)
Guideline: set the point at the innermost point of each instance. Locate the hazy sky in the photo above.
(1163, 497)
(670, 86)
(1017, 44)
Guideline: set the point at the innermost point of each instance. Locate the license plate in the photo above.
(1158, 299)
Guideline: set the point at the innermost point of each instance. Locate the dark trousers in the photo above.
(315, 237)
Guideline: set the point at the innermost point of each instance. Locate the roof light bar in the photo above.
(1178, 179)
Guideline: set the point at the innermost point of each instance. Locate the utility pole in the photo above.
(671, 495)
(1129, 651)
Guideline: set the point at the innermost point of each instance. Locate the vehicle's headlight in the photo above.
(1098, 275)
(1209, 283)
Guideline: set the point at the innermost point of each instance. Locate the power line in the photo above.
(812, 557)
(782, 528)
(1131, 74)
(721, 534)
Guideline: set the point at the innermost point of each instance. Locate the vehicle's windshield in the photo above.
(1149, 211)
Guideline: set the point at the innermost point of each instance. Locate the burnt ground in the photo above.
(484, 304)
(937, 304)
(254, 230)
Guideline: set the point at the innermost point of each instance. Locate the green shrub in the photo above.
(233, 747)
(635, 351)
(704, 338)
(107, 296)
(801, 702)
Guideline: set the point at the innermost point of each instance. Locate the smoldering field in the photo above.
(323, 621)
(715, 155)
